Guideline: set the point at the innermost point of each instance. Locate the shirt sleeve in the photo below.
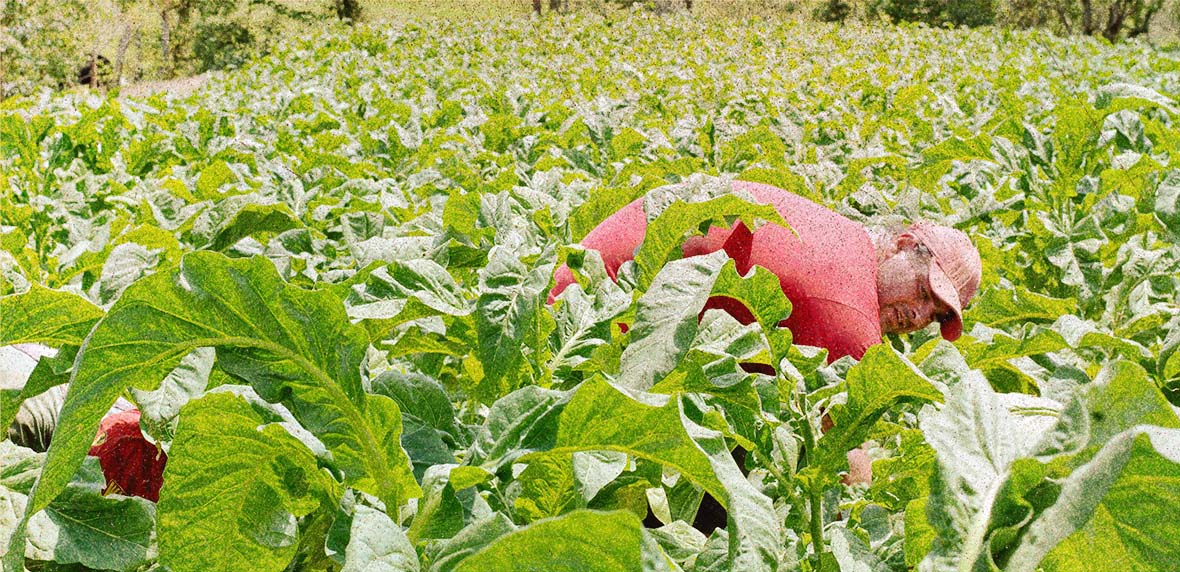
(36, 419)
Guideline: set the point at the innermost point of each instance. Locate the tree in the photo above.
(554, 6)
(1132, 16)
(937, 12)
(349, 10)
(1111, 19)
(833, 11)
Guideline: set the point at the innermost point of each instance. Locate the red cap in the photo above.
(955, 272)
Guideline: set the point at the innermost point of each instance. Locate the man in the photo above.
(847, 285)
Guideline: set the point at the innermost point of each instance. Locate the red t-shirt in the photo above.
(828, 269)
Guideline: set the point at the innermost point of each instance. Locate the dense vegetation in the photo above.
(130, 42)
(322, 279)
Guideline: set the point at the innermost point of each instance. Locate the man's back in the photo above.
(826, 266)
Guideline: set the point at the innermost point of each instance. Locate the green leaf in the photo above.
(881, 381)
(1122, 397)
(762, 294)
(506, 319)
(1108, 514)
(852, 553)
(377, 544)
(919, 535)
(49, 372)
(600, 417)
(12, 509)
(421, 395)
(292, 345)
(402, 291)
(1017, 477)
(548, 488)
(602, 203)
(519, 423)
(233, 481)
(19, 467)
(46, 316)
(583, 323)
(977, 436)
(904, 478)
(1125, 129)
(252, 219)
(449, 554)
(125, 264)
(1000, 307)
(83, 526)
(666, 319)
(581, 541)
(159, 408)
(440, 515)
(1167, 200)
(667, 232)
(212, 178)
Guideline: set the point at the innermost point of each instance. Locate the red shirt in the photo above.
(131, 463)
(828, 269)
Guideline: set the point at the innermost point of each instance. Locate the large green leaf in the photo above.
(234, 481)
(253, 219)
(1167, 201)
(293, 345)
(19, 467)
(977, 438)
(376, 544)
(548, 488)
(600, 417)
(581, 541)
(83, 526)
(999, 307)
(160, 408)
(761, 293)
(1109, 513)
(1017, 477)
(519, 423)
(583, 318)
(511, 297)
(666, 319)
(881, 381)
(449, 554)
(47, 373)
(402, 291)
(212, 178)
(439, 513)
(47, 317)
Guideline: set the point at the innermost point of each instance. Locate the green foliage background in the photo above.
(323, 279)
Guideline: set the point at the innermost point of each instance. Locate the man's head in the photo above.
(925, 273)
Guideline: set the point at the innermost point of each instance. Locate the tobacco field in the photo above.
(322, 279)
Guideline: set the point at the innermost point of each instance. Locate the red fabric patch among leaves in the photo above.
(131, 464)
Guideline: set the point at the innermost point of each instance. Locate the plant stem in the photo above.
(813, 489)
(817, 525)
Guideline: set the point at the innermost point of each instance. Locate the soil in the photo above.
(180, 87)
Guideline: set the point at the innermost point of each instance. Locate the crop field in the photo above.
(322, 279)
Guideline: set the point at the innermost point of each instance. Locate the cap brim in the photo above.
(944, 290)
